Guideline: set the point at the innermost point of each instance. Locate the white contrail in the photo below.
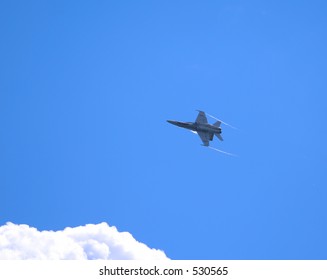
(222, 121)
(222, 152)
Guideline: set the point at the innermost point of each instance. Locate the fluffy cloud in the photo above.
(99, 241)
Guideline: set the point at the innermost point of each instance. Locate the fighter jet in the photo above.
(201, 126)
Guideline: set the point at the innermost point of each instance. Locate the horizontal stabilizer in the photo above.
(217, 124)
(219, 136)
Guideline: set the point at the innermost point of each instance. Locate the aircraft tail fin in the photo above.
(217, 123)
(219, 136)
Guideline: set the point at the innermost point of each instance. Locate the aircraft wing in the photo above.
(205, 137)
(201, 118)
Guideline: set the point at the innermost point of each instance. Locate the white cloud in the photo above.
(99, 241)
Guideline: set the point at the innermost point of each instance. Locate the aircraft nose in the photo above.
(172, 122)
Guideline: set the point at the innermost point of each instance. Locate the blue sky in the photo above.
(86, 88)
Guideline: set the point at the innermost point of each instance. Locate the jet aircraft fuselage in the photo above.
(205, 127)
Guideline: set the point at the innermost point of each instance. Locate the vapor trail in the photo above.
(222, 152)
(222, 121)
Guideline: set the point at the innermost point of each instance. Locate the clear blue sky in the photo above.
(86, 88)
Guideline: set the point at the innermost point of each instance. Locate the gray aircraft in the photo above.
(201, 126)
